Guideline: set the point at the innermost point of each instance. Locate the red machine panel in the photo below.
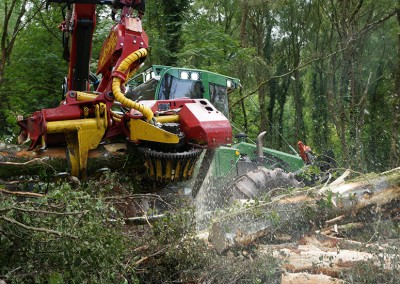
(203, 124)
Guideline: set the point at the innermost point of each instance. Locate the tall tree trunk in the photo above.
(320, 110)
(264, 49)
(262, 95)
(295, 43)
(243, 24)
(395, 135)
(338, 114)
(244, 112)
(243, 44)
(174, 15)
(300, 133)
(273, 93)
(8, 36)
(9, 33)
(299, 130)
(282, 101)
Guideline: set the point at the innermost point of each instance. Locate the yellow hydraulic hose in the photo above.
(123, 67)
(116, 116)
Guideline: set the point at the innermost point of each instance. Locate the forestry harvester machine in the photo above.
(176, 118)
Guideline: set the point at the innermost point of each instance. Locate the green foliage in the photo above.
(213, 50)
(164, 22)
(35, 71)
(367, 272)
(309, 175)
(103, 28)
(77, 243)
(177, 254)
(245, 266)
(75, 235)
(327, 201)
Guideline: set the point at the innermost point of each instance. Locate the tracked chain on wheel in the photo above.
(167, 167)
(257, 183)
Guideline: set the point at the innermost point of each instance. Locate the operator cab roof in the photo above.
(161, 82)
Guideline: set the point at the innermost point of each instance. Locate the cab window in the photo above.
(174, 88)
(219, 98)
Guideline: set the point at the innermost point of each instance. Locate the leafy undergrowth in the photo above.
(64, 236)
(77, 235)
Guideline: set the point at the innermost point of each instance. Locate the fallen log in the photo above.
(307, 278)
(18, 161)
(298, 212)
(325, 261)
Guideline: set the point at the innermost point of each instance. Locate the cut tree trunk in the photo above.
(307, 278)
(329, 261)
(322, 260)
(298, 212)
(17, 161)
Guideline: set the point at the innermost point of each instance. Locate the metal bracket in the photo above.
(82, 135)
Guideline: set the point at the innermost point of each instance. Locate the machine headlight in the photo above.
(195, 76)
(184, 75)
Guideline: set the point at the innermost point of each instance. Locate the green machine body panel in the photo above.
(272, 158)
(226, 159)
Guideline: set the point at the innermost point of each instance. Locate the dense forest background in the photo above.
(324, 72)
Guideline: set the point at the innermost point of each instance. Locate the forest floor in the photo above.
(345, 230)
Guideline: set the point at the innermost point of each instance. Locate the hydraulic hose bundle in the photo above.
(119, 77)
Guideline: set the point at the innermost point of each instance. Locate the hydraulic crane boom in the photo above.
(82, 26)
(78, 27)
(82, 118)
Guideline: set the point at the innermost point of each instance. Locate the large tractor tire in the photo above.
(257, 183)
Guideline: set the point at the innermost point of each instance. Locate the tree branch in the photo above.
(379, 21)
(44, 211)
(25, 163)
(21, 193)
(42, 230)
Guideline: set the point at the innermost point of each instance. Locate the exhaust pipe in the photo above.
(259, 145)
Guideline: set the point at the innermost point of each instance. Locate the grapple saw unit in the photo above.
(171, 126)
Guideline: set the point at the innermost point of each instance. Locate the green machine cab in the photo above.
(161, 82)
